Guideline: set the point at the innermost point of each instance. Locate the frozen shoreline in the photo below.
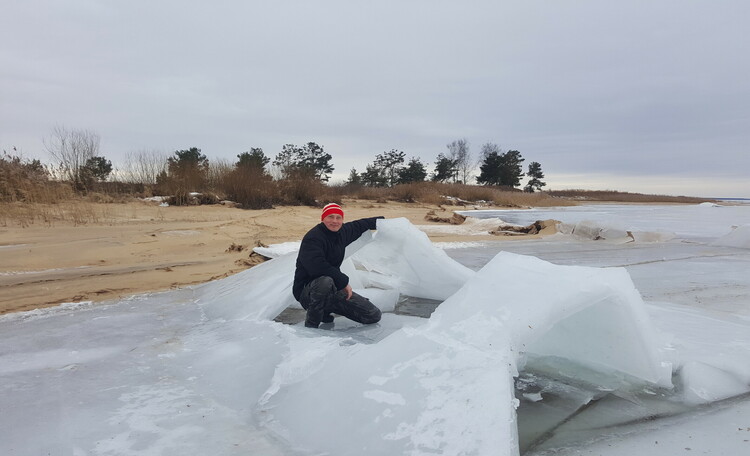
(190, 359)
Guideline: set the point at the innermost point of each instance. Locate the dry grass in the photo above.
(76, 212)
(437, 193)
(23, 180)
(28, 196)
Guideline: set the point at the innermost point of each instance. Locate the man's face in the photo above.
(333, 222)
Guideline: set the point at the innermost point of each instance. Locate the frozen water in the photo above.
(686, 221)
(206, 370)
(739, 237)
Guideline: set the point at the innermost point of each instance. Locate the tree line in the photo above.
(497, 168)
(295, 170)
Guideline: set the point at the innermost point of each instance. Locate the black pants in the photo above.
(320, 298)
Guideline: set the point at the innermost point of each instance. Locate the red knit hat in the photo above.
(332, 208)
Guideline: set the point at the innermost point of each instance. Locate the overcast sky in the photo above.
(646, 96)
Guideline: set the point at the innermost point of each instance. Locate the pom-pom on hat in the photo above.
(332, 208)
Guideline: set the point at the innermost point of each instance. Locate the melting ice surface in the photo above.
(543, 347)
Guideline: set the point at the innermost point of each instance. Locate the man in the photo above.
(319, 284)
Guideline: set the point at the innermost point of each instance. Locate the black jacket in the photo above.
(322, 252)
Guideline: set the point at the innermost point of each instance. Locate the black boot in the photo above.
(314, 316)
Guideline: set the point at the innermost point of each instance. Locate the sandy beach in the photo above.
(139, 247)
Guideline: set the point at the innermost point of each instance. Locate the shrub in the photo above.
(409, 193)
(28, 181)
(300, 187)
(250, 187)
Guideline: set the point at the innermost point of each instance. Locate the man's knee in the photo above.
(323, 284)
(372, 316)
(317, 292)
(320, 288)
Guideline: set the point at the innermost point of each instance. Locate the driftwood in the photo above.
(253, 259)
(515, 230)
(456, 219)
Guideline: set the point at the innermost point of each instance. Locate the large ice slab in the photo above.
(592, 316)
(415, 392)
(412, 393)
(404, 257)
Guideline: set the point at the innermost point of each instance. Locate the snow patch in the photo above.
(12, 246)
(181, 232)
(43, 271)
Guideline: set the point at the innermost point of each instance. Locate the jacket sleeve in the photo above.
(312, 258)
(355, 228)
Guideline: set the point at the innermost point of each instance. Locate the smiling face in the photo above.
(333, 222)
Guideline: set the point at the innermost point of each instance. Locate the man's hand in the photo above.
(348, 290)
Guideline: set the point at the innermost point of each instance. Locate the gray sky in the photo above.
(645, 96)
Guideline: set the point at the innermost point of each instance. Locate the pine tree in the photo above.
(535, 173)
(98, 168)
(489, 170)
(413, 172)
(511, 169)
(253, 159)
(354, 178)
(445, 169)
(374, 177)
(389, 164)
(188, 170)
(309, 160)
(501, 169)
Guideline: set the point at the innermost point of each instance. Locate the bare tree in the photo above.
(458, 151)
(218, 170)
(72, 149)
(487, 149)
(143, 166)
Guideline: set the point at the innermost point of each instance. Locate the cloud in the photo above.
(630, 89)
